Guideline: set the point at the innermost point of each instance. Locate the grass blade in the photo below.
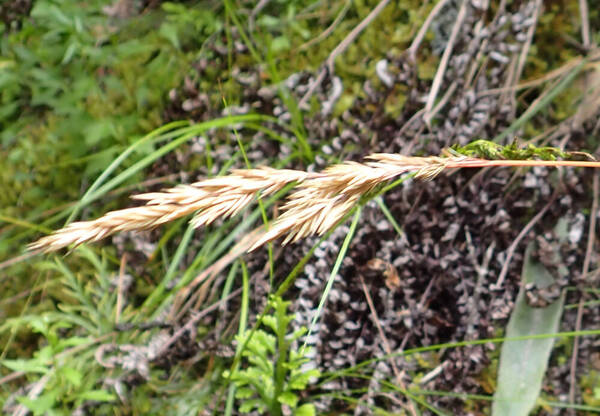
(335, 270)
(531, 111)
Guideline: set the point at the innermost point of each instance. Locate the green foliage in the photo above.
(63, 367)
(64, 362)
(188, 27)
(281, 25)
(590, 384)
(273, 371)
(76, 88)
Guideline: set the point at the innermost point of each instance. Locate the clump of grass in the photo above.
(318, 203)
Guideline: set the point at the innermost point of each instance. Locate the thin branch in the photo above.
(414, 46)
(329, 29)
(585, 24)
(585, 270)
(511, 250)
(439, 75)
(527, 45)
(341, 48)
(592, 230)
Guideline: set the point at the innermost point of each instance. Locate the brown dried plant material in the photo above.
(319, 202)
(392, 280)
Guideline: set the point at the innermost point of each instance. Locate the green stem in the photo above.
(282, 350)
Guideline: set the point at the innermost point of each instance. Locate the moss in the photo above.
(557, 27)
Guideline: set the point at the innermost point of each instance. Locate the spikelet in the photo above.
(322, 201)
(213, 198)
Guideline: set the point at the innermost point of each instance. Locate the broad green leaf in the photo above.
(524, 362)
(289, 398)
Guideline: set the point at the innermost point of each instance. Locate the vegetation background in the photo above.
(402, 310)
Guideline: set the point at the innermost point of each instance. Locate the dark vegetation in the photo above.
(429, 264)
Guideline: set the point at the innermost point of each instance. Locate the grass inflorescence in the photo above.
(317, 203)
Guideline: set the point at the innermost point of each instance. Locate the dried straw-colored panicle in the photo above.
(425, 168)
(323, 200)
(210, 199)
(320, 200)
(223, 196)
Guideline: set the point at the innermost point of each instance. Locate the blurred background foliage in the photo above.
(77, 86)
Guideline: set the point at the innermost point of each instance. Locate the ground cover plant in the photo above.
(472, 293)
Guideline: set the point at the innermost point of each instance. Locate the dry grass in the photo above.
(322, 200)
(319, 201)
(213, 198)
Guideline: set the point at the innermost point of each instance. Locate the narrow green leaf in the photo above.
(26, 366)
(335, 270)
(72, 375)
(543, 103)
(41, 405)
(98, 396)
(524, 362)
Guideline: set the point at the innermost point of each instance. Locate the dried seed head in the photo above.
(212, 198)
(319, 202)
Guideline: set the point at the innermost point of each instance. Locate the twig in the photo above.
(585, 24)
(439, 75)
(329, 29)
(433, 373)
(386, 344)
(414, 46)
(592, 231)
(255, 11)
(329, 63)
(559, 72)
(527, 45)
(442, 102)
(586, 267)
(511, 250)
(516, 66)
